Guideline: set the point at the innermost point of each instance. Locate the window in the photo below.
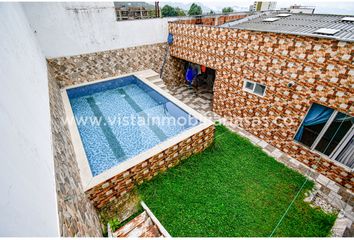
(328, 132)
(254, 88)
(250, 86)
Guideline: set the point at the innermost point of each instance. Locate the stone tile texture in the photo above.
(327, 194)
(99, 65)
(77, 215)
(321, 69)
(213, 20)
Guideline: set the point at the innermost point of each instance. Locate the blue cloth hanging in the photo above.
(170, 38)
(190, 74)
(317, 114)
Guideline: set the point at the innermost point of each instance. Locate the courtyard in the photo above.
(234, 189)
(230, 124)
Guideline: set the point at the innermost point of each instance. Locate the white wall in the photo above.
(28, 204)
(65, 29)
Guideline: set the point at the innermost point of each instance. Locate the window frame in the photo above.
(244, 88)
(337, 150)
(342, 143)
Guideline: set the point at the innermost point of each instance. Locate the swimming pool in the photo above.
(119, 122)
(120, 118)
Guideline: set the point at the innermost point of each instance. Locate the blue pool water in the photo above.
(120, 118)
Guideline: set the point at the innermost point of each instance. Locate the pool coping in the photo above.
(88, 180)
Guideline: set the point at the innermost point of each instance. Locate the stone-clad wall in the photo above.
(99, 65)
(213, 20)
(77, 215)
(321, 68)
(124, 182)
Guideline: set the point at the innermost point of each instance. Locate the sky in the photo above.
(326, 6)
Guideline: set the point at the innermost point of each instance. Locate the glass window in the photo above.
(255, 88)
(259, 89)
(249, 85)
(313, 124)
(336, 131)
(346, 156)
(328, 132)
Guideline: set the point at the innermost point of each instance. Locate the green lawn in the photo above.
(232, 189)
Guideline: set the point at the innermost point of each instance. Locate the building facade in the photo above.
(260, 6)
(294, 72)
(302, 9)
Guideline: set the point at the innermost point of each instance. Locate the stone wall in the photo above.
(117, 186)
(99, 65)
(213, 20)
(77, 216)
(321, 68)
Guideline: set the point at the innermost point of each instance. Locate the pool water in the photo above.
(120, 118)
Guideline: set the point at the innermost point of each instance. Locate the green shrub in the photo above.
(114, 224)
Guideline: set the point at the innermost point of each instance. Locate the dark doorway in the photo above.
(202, 77)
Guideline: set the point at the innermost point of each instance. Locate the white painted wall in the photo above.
(65, 29)
(28, 205)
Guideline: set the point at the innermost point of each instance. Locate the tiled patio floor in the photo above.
(333, 194)
(199, 99)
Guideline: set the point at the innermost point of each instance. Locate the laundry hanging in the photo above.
(190, 74)
(203, 68)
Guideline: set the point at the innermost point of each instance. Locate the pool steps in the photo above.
(153, 77)
(157, 81)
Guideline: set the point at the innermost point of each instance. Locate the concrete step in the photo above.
(157, 81)
(144, 225)
(154, 78)
(147, 74)
(140, 226)
(153, 231)
(140, 229)
(127, 228)
(160, 84)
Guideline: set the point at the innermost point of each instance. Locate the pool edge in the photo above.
(95, 186)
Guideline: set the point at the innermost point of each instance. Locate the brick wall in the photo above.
(99, 65)
(117, 186)
(213, 20)
(77, 215)
(321, 68)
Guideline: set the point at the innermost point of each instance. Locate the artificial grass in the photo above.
(233, 189)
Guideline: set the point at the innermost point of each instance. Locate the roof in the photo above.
(300, 24)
